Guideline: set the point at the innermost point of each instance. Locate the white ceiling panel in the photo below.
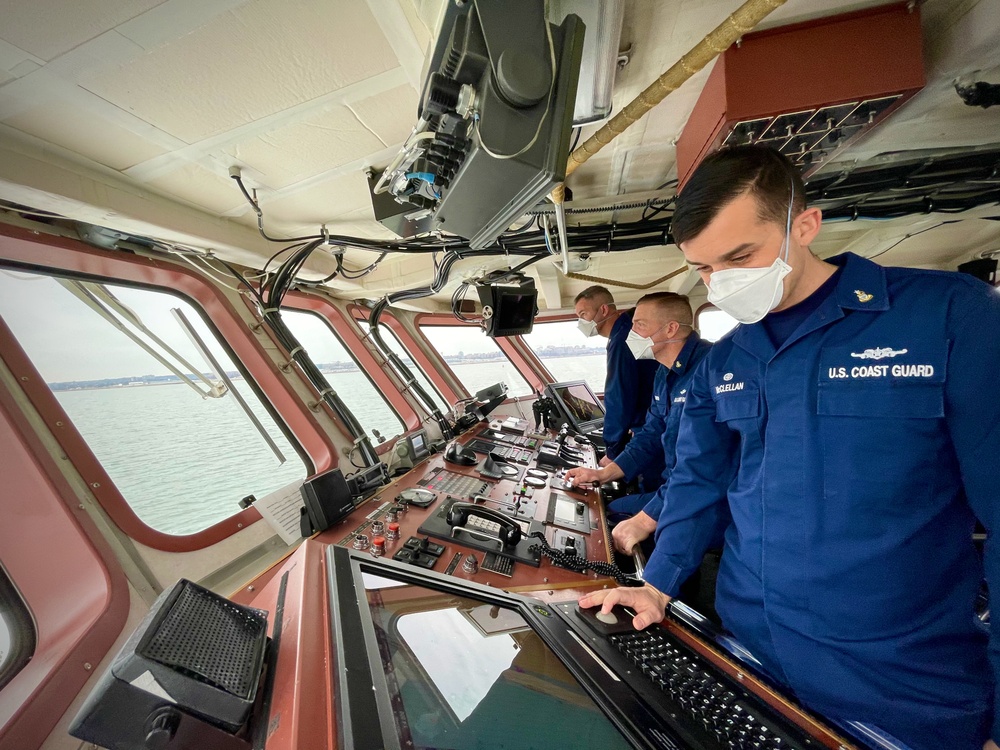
(292, 153)
(85, 133)
(423, 16)
(48, 28)
(248, 63)
(341, 196)
(197, 185)
(390, 115)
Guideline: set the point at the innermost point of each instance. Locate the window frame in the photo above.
(521, 361)
(413, 349)
(416, 351)
(78, 611)
(342, 328)
(26, 251)
(20, 625)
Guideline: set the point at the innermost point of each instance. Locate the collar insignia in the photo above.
(863, 296)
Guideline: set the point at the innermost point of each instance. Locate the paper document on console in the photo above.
(281, 509)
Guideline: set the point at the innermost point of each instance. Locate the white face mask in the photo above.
(642, 346)
(748, 294)
(589, 327)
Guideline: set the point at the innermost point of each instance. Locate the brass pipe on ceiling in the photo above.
(738, 23)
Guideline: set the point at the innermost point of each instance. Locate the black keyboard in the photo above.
(730, 715)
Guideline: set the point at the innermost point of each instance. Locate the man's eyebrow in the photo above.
(738, 250)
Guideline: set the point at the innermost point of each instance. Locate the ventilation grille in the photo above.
(811, 136)
(212, 640)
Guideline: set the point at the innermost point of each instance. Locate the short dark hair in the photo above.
(596, 292)
(726, 175)
(677, 306)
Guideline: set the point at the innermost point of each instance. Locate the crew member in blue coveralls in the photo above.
(628, 386)
(860, 404)
(661, 330)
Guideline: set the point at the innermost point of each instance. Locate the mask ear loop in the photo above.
(788, 223)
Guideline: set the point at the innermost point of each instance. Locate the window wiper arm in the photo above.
(98, 298)
(210, 358)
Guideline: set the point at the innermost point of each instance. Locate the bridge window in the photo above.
(712, 323)
(475, 358)
(338, 366)
(393, 342)
(155, 394)
(17, 632)
(568, 354)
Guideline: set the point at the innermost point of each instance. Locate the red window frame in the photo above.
(350, 336)
(67, 576)
(46, 254)
(416, 352)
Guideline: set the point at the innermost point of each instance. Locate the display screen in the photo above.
(579, 402)
(418, 444)
(463, 673)
(515, 311)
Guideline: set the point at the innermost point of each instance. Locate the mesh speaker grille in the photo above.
(212, 640)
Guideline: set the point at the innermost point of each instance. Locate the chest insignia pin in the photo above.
(863, 296)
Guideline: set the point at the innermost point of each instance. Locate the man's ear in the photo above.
(806, 226)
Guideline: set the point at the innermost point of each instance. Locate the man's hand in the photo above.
(582, 475)
(629, 533)
(604, 461)
(990, 745)
(649, 604)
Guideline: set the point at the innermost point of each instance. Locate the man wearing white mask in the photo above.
(628, 385)
(858, 404)
(661, 331)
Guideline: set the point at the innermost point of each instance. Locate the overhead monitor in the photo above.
(508, 310)
(494, 121)
(577, 404)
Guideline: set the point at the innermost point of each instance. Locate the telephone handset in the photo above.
(484, 522)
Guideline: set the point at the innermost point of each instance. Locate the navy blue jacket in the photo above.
(628, 387)
(650, 452)
(867, 444)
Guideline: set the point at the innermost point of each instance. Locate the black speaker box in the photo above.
(186, 678)
(327, 499)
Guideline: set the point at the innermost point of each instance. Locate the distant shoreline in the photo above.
(127, 383)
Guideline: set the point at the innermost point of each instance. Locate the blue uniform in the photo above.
(628, 387)
(651, 450)
(866, 444)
